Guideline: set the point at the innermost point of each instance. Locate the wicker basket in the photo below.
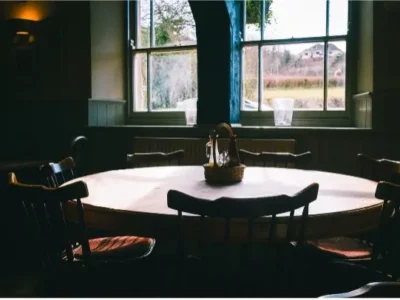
(224, 174)
(231, 173)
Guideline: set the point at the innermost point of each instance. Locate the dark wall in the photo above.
(3, 85)
(47, 84)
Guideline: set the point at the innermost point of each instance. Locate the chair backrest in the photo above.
(387, 242)
(79, 151)
(245, 208)
(137, 160)
(195, 150)
(58, 173)
(378, 169)
(276, 159)
(45, 217)
(372, 290)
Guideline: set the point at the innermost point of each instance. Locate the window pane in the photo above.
(295, 18)
(294, 71)
(144, 19)
(250, 78)
(336, 75)
(173, 79)
(338, 14)
(174, 23)
(140, 82)
(253, 20)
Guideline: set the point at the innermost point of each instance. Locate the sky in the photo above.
(305, 18)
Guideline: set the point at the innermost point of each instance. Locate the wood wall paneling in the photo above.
(104, 112)
(333, 150)
(194, 148)
(362, 108)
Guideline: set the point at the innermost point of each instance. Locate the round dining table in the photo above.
(134, 201)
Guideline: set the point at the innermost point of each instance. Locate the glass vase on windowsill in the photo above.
(190, 107)
(283, 111)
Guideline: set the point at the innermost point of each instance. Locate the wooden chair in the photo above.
(248, 209)
(372, 290)
(378, 169)
(56, 174)
(361, 246)
(79, 151)
(195, 150)
(382, 252)
(275, 159)
(137, 160)
(52, 240)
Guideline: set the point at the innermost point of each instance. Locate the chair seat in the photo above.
(118, 247)
(343, 247)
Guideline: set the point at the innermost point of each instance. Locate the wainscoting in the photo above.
(363, 110)
(195, 152)
(106, 112)
(333, 150)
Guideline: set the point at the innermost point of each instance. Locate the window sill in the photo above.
(237, 127)
(302, 119)
(329, 128)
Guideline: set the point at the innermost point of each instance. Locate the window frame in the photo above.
(148, 117)
(306, 117)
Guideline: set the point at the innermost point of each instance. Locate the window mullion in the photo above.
(244, 21)
(148, 81)
(133, 82)
(349, 75)
(136, 17)
(262, 18)
(151, 23)
(149, 55)
(167, 49)
(135, 31)
(242, 75)
(327, 17)
(260, 59)
(326, 43)
(293, 40)
(260, 77)
(325, 73)
(242, 66)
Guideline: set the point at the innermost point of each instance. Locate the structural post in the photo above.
(218, 56)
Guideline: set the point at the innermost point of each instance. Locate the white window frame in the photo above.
(306, 117)
(149, 117)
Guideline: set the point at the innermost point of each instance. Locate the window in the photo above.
(164, 56)
(295, 49)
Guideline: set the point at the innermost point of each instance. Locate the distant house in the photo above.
(316, 52)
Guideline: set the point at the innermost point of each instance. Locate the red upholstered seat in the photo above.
(344, 247)
(118, 247)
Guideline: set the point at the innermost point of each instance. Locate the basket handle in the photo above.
(232, 151)
(227, 127)
(214, 142)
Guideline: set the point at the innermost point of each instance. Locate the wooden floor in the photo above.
(159, 279)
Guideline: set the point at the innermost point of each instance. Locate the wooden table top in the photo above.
(134, 201)
(145, 189)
